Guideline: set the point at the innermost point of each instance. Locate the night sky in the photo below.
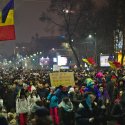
(27, 23)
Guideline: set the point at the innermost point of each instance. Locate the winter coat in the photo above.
(61, 94)
(9, 100)
(76, 98)
(110, 89)
(118, 113)
(53, 100)
(101, 114)
(42, 92)
(22, 106)
(66, 113)
(83, 114)
(32, 100)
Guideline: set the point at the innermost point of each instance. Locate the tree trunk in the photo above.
(75, 54)
(122, 57)
(123, 47)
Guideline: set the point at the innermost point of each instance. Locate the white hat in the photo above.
(33, 88)
(71, 90)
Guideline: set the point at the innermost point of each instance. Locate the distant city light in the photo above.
(53, 49)
(55, 59)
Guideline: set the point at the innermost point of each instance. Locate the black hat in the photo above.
(42, 112)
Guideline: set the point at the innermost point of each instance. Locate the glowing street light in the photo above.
(66, 11)
(90, 36)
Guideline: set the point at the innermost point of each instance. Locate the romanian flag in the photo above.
(111, 64)
(86, 61)
(7, 29)
(89, 61)
(115, 64)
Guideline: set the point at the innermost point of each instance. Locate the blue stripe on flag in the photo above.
(10, 5)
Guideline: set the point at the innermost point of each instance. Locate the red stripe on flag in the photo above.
(7, 32)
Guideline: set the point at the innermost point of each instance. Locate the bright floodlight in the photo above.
(67, 11)
(90, 36)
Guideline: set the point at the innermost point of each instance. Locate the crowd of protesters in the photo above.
(97, 98)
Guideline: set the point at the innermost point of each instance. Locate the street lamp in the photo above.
(90, 36)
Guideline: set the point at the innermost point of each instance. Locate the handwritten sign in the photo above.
(62, 78)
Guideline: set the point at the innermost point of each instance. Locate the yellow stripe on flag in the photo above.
(9, 19)
(112, 65)
(86, 61)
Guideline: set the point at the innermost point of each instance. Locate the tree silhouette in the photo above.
(82, 17)
(72, 13)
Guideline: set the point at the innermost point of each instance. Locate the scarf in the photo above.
(66, 106)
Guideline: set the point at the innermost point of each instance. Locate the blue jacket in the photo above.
(53, 100)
